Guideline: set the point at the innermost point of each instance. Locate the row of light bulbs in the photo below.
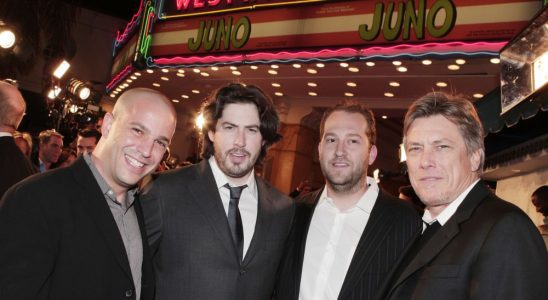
(273, 71)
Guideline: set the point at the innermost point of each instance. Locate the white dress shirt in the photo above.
(3, 133)
(331, 242)
(448, 212)
(248, 204)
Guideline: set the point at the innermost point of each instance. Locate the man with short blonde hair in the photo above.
(49, 149)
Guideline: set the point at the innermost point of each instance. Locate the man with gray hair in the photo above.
(474, 245)
(14, 165)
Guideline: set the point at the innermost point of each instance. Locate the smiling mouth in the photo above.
(133, 162)
(429, 179)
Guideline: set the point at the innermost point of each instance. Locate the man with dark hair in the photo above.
(348, 235)
(87, 140)
(77, 232)
(540, 200)
(474, 245)
(49, 149)
(216, 229)
(14, 165)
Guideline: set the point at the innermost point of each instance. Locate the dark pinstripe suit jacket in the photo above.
(392, 225)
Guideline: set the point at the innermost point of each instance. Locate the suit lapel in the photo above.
(205, 194)
(263, 223)
(94, 200)
(438, 242)
(379, 223)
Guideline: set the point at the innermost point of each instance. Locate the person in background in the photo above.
(78, 232)
(67, 157)
(24, 142)
(540, 201)
(49, 149)
(303, 188)
(14, 165)
(348, 235)
(216, 229)
(87, 140)
(473, 245)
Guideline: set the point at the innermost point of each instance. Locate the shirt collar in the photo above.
(450, 210)
(221, 180)
(3, 133)
(103, 185)
(367, 200)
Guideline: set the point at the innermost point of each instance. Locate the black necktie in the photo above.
(415, 248)
(235, 219)
(429, 232)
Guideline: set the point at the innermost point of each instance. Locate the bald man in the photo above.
(78, 232)
(14, 165)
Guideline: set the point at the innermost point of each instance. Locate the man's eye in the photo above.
(162, 144)
(137, 130)
(413, 149)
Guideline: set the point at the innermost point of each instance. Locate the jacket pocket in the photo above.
(441, 271)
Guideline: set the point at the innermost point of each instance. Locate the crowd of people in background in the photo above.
(105, 220)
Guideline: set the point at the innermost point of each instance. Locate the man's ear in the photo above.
(108, 119)
(372, 154)
(475, 159)
(211, 136)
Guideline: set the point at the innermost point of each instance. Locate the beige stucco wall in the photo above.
(518, 190)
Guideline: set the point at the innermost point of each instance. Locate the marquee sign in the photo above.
(342, 24)
(187, 8)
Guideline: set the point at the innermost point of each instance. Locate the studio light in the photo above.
(7, 36)
(79, 89)
(61, 69)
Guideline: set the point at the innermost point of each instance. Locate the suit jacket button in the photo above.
(129, 293)
(242, 272)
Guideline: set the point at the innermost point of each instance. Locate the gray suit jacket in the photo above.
(194, 256)
(489, 249)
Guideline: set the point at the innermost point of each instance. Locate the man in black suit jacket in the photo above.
(205, 244)
(474, 244)
(78, 232)
(14, 165)
(348, 236)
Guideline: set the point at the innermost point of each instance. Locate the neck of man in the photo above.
(239, 181)
(346, 199)
(438, 209)
(44, 161)
(119, 191)
(5, 128)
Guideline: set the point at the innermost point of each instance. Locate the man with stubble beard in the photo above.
(217, 230)
(348, 235)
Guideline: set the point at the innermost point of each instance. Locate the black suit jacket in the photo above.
(489, 249)
(195, 257)
(14, 165)
(391, 226)
(59, 240)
